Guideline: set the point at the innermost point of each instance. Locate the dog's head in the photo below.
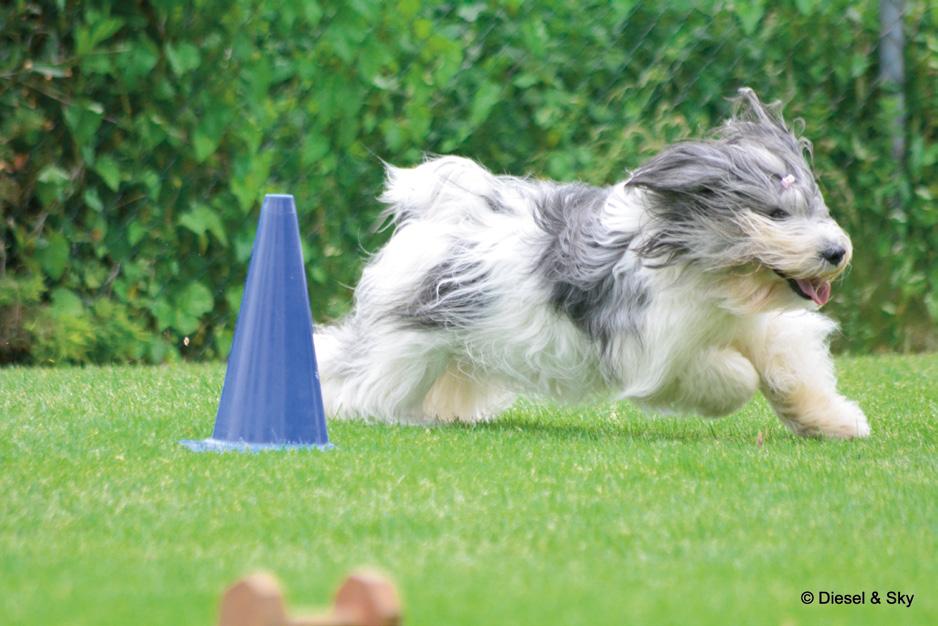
(745, 204)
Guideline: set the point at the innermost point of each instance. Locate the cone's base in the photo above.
(218, 445)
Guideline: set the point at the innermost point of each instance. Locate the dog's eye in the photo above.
(778, 214)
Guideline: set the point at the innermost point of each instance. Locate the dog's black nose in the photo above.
(834, 255)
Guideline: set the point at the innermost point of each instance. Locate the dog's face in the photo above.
(745, 205)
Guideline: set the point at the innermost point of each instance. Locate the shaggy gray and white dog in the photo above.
(686, 287)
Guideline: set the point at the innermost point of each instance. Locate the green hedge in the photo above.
(137, 140)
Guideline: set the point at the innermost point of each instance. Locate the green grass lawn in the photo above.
(546, 516)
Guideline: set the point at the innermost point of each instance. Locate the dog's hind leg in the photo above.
(458, 396)
(380, 373)
(790, 352)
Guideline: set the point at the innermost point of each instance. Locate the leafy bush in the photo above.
(137, 140)
(66, 331)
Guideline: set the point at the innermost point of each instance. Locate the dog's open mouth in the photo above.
(816, 289)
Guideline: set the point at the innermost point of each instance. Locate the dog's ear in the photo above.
(691, 167)
(730, 170)
(696, 167)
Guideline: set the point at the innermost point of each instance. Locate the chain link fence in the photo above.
(137, 141)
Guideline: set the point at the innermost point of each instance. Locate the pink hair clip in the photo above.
(788, 181)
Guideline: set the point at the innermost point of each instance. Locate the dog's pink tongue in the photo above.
(819, 290)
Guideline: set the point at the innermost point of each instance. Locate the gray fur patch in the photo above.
(449, 295)
(495, 204)
(579, 263)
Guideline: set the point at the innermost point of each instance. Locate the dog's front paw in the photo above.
(847, 421)
(840, 419)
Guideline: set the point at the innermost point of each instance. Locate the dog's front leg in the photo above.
(790, 352)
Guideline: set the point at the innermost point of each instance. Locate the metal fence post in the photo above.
(892, 70)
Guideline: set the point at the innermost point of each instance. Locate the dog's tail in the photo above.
(442, 189)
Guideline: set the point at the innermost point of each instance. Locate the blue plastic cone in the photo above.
(271, 397)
